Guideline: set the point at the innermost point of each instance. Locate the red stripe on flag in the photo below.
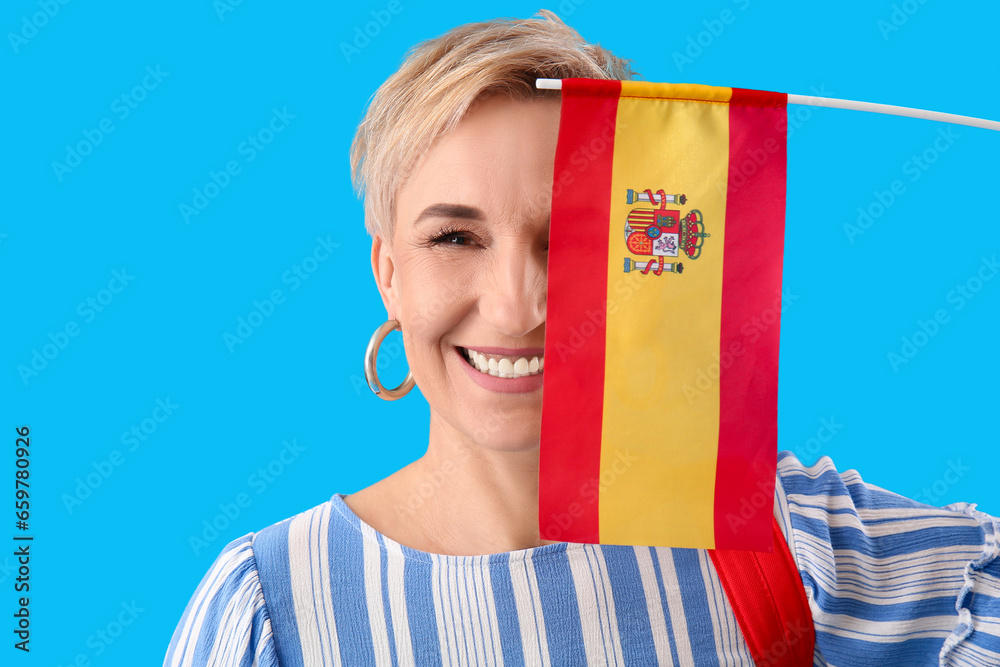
(751, 309)
(573, 395)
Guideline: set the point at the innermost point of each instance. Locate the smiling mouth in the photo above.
(503, 366)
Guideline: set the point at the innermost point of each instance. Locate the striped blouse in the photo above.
(889, 581)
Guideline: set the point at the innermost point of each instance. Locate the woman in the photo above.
(455, 156)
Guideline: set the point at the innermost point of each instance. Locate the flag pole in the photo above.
(807, 100)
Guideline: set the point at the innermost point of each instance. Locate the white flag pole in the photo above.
(894, 111)
(807, 100)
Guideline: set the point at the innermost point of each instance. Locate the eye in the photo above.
(453, 238)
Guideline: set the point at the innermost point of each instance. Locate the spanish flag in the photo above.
(659, 409)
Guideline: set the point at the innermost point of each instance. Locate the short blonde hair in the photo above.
(439, 81)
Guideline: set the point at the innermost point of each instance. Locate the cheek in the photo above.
(433, 300)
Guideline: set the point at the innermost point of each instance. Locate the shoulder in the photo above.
(827, 509)
(819, 495)
(275, 543)
(886, 575)
(226, 619)
(236, 610)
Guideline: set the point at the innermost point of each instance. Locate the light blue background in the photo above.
(299, 375)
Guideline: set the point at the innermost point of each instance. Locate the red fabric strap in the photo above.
(769, 602)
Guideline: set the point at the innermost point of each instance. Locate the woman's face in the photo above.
(465, 273)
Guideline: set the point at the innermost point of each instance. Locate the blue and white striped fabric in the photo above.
(890, 582)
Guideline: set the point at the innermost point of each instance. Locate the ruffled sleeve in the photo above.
(890, 581)
(226, 621)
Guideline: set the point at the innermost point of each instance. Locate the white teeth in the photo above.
(505, 367)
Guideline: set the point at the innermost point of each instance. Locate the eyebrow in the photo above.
(459, 211)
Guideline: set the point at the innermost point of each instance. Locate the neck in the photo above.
(475, 500)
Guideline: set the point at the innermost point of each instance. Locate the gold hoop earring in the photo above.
(371, 355)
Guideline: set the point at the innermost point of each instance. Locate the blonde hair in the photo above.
(439, 81)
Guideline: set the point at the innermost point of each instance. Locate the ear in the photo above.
(383, 266)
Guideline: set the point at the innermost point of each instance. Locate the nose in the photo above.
(512, 300)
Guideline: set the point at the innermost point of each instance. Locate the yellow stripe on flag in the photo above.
(663, 330)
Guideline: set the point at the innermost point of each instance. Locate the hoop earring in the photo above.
(371, 355)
